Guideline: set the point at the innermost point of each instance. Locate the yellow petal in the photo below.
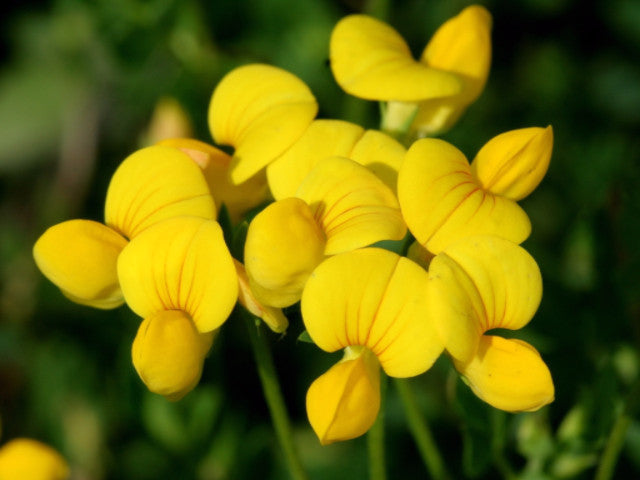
(273, 317)
(168, 353)
(478, 284)
(215, 164)
(442, 202)
(353, 206)
(154, 184)
(381, 154)
(26, 459)
(79, 257)
(509, 375)
(344, 402)
(323, 138)
(169, 120)
(261, 111)
(375, 298)
(513, 163)
(284, 244)
(180, 264)
(463, 45)
(370, 60)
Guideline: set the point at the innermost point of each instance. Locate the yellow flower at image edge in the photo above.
(180, 278)
(152, 184)
(478, 284)
(370, 60)
(27, 459)
(373, 304)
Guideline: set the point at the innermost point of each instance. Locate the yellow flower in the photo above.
(179, 276)
(443, 198)
(215, 165)
(370, 60)
(155, 183)
(260, 111)
(27, 459)
(377, 151)
(340, 206)
(483, 283)
(372, 303)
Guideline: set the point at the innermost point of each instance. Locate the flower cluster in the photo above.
(336, 193)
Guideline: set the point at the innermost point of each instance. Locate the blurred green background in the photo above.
(79, 82)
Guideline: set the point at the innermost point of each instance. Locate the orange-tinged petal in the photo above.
(513, 163)
(180, 264)
(353, 206)
(273, 317)
(374, 298)
(79, 257)
(27, 459)
(153, 184)
(215, 164)
(261, 111)
(323, 138)
(168, 353)
(344, 402)
(442, 202)
(509, 375)
(370, 60)
(478, 284)
(284, 244)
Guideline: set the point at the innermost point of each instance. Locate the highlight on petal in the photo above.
(261, 111)
(24, 458)
(180, 264)
(273, 317)
(508, 374)
(215, 164)
(442, 202)
(80, 257)
(377, 299)
(513, 163)
(370, 60)
(168, 353)
(153, 184)
(284, 244)
(344, 402)
(478, 284)
(323, 138)
(463, 45)
(353, 206)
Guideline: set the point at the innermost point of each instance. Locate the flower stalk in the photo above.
(274, 398)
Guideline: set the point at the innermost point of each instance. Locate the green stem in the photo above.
(273, 395)
(421, 432)
(375, 438)
(613, 448)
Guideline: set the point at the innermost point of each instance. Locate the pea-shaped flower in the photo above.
(24, 458)
(260, 111)
(370, 60)
(180, 278)
(373, 304)
(215, 164)
(377, 151)
(483, 283)
(340, 206)
(152, 184)
(443, 198)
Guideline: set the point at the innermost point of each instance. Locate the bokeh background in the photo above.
(79, 84)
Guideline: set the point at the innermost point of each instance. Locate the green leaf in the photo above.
(304, 337)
